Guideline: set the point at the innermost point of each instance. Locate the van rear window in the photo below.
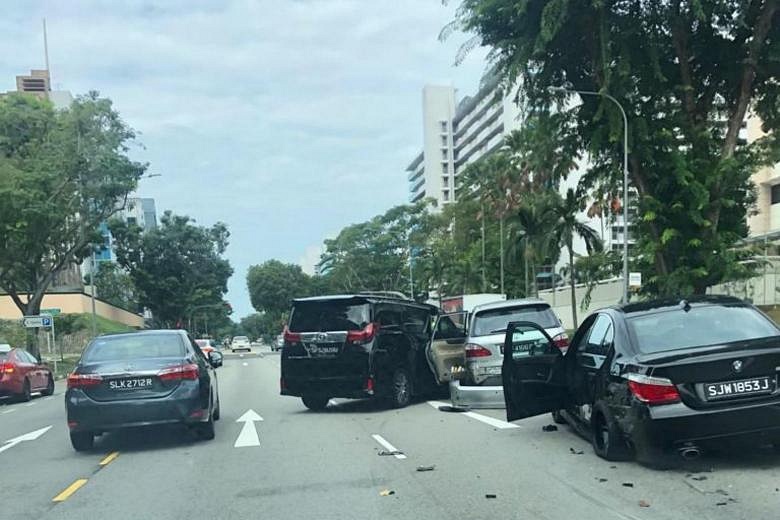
(327, 316)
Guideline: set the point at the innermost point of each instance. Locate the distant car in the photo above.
(241, 343)
(487, 328)
(21, 374)
(138, 379)
(278, 343)
(646, 380)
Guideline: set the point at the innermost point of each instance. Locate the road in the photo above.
(326, 465)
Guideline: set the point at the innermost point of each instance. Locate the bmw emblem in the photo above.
(737, 365)
(322, 336)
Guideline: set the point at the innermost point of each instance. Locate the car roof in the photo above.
(369, 298)
(665, 304)
(145, 332)
(503, 304)
(5, 347)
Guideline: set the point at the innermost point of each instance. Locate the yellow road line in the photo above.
(109, 458)
(69, 490)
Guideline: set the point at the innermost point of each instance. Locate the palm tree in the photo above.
(533, 223)
(567, 225)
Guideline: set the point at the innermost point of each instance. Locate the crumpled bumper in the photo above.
(484, 397)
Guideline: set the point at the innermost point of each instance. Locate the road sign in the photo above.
(37, 322)
(51, 312)
(635, 280)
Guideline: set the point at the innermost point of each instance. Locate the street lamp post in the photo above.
(625, 175)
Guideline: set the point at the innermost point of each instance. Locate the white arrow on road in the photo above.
(248, 435)
(10, 443)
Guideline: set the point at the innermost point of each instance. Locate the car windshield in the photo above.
(133, 346)
(699, 326)
(495, 321)
(326, 316)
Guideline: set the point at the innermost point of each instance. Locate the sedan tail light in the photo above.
(362, 336)
(561, 340)
(291, 337)
(83, 380)
(179, 372)
(653, 390)
(476, 351)
(6, 368)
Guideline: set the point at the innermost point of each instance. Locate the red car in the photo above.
(21, 374)
(206, 346)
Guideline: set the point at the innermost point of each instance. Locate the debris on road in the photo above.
(549, 428)
(454, 409)
(426, 468)
(576, 452)
(644, 503)
(697, 477)
(490, 495)
(628, 484)
(602, 480)
(386, 493)
(388, 453)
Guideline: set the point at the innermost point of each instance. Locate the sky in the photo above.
(286, 119)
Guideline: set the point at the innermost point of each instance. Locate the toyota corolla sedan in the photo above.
(139, 379)
(653, 380)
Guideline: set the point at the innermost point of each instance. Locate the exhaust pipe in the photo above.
(689, 452)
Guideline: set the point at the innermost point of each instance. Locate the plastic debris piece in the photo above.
(644, 503)
(386, 493)
(426, 468)
(549, 428)
(454, 409)
(628, 484)
(490, 495)
(385, 453)
(602, 480)
(721, 503)
(576, 452)
(699, 477)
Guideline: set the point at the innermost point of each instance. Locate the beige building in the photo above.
(73, 303)
(767, 181)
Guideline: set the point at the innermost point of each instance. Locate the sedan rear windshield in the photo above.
(327, 316)
(134, 347)
(699, 326)
(495, 321)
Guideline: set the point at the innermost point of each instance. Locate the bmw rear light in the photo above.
(179, 372)
(362, 336)
(291, 337)
(477, 351)
(653, 390)
(83, 380)
(561, 340)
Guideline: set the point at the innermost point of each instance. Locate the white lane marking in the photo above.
(245, 364)
(9, 411)
(30, 404)
(496, 423)
(10, 443)
(248, 435)
(389, 447)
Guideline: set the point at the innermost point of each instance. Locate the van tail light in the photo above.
(282, 384)
(653, 390)
(361, 337)
(477, 351)
(83, 380)
(6, 368)
(561, 340)
(179, 373)
(291, 337)
(369, 385)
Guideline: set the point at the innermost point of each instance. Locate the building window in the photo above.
(776, 194)
(444, 153)
(445, 196)
(446, 182)
(443, 125)
(444, 140)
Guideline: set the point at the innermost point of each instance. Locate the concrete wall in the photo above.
(73, 303)
(603, 295)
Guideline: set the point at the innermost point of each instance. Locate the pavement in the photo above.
(296, 464)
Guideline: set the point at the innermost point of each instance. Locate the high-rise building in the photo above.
(766, 221)
(38, 83)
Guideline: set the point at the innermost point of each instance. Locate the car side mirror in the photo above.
(215, 358)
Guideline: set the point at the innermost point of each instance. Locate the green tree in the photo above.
(177, 268)
(687, 72)
(567, 226)
(62, 173)
(263, 325)
(115, 286)
(273, 285)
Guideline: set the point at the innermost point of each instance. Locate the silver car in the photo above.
(487, 328)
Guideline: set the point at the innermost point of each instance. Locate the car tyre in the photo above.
(557, 417)
(400, 388)
(206, 430)
(315, 402)
(26, 394)
(49, 387)
(608, 440)
(82, 441)
(217, 411)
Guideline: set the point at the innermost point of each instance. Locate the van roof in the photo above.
(368, 298)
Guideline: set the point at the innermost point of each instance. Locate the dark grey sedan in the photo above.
(139, 379)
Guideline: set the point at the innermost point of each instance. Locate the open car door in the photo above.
(446, 351)
(533, 373)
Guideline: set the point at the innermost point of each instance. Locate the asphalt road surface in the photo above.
(302, 464)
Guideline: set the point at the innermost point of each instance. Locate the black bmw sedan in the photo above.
(653, 380)
(138, 379)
